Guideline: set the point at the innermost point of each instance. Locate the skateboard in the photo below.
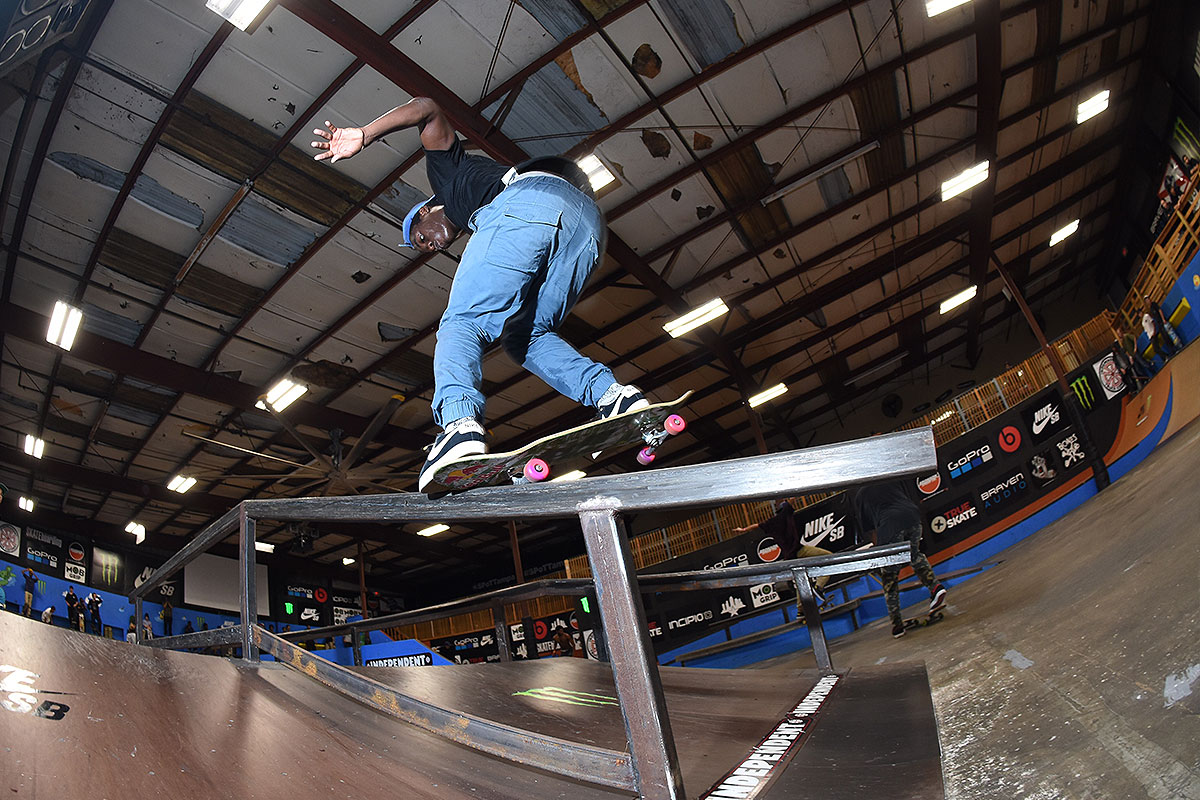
(536, 460)
(924, 622)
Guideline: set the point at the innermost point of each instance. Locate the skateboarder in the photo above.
(538, 236)
(783, 528)
(890, 510)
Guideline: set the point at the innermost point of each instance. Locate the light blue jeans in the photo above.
(531, 253)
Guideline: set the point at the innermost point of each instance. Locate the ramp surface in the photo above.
(88, 718)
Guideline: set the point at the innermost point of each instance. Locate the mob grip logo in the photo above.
(19, 695)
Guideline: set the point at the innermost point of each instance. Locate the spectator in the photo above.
(74, 608)
(1124, 365)
(1165, 327)
(30, 587)
(93, 606)
(890, 510)
(1155, 331)
(167, 612)
(147, 628)
(565, 642)
(187, 626)
(48, 615)
(131, 633)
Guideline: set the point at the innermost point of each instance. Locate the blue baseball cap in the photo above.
(408, 221)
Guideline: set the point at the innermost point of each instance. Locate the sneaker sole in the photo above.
(939, 601)
(460, 450)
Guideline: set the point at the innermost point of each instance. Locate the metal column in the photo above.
(635, 669)
(807, 603)
(248, 600)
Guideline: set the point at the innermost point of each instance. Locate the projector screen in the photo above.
(213, 581)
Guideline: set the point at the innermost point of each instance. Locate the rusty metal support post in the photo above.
(137, 620)
(518, 570)
(248, 596)
(635, 669)
(806, 604)
(501, 626)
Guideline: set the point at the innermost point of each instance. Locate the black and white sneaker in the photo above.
(937, 598)
(897, 630)
(621, 399)
(461, 438)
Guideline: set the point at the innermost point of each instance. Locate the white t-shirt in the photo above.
(47, 616)
(1148, 325)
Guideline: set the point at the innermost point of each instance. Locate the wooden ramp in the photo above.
(114, 720)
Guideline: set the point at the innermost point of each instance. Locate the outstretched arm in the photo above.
(436, 131)
(748, 528)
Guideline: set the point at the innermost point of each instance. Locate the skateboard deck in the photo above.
(924, 622)
(543, 458)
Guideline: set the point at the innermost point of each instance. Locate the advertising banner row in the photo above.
(984, 477)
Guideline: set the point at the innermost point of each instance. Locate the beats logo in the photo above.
(1010, 439)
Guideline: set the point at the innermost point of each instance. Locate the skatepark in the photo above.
(339, 447)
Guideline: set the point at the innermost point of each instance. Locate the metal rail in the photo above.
(651, 766)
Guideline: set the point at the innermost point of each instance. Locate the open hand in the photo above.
(339, 142)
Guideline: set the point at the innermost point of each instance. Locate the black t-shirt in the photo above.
(462, 183)
(782, 526)
(888, 508)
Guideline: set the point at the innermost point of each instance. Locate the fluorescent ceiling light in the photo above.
(597, 173)
(64, 324)
(282, 395)
(347, 562)
(264, 547)
(181, 484)
(694, 319)
(25, 503)
(239, 13)
(34, 446)
(1092, 107)
(809, 177)
(1063, 232)
(433, 530)
(138, 530)
(573, 475)
(957, 300)
(963, 181)
(767, 394)
(935, 7)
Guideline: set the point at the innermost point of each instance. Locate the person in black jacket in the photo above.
(890, 510)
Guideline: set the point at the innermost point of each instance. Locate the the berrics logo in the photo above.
(1083, 392)
(732, 606)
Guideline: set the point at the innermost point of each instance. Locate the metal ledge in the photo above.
(580, 761)
(813, 469)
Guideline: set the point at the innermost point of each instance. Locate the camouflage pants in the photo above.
(891, 575)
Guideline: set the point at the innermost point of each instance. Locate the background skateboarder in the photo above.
(537, 237)
(890, 510)
(782, 526)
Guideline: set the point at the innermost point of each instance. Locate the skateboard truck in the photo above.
(671, 425)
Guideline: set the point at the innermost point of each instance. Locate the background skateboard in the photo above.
(643, 426)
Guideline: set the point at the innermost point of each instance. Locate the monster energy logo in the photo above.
(110, 566)
(556, 695)
(1083, 391)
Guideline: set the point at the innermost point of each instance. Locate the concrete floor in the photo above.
(1072, 668)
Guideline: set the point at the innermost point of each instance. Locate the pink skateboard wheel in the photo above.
(675, 424)
(645, 456)
(536, 470)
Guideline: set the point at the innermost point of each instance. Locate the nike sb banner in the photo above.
(1046, 417)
